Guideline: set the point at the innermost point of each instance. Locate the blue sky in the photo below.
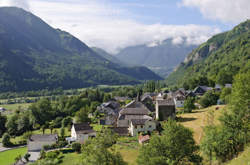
(167, 12)
(116, 24)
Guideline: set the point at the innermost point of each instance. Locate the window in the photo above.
(135, 126)
(149, 126)
(141, 126)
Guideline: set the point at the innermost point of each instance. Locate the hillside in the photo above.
(219, 59)
(34, 56)
(162, 58)
(108, 56)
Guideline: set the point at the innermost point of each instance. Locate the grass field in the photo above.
(71, 158)
(242, 159)
(129, 155)
(8, 157)
(47, 131)
(12, 107)
(199, 119)
(129, 149)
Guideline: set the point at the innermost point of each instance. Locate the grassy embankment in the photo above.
(199, 119)
(8, 157)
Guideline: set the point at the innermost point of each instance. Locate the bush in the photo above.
(6, 140)
(225, 95)
(60, 144)
(189, 104)
(26, 157)
(76, 147)
(208, 99)
(175, 146)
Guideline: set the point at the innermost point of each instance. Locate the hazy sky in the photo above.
(115, 24)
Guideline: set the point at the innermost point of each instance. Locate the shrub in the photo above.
(6, 140)
(208, 99)
(26, 157)
(76, 147)
(189, 104)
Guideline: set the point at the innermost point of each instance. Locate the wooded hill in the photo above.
(33, 56)
(218, 59)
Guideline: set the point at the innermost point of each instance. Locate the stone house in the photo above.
(127, 114)
(110, 111)
(165, 109)
(141, 126)
(179, 101)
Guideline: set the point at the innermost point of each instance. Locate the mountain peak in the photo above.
(33, 55)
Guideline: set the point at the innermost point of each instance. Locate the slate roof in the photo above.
(111, 104)
(134, 111)
(138, 121)
(180, 98)
(83, 128)
(169, 102)
(148, 95)
(44, 137)
(118, 98)
(217, 86)
(228, 85)
(135, 104)
(190, 93)
(204, 88)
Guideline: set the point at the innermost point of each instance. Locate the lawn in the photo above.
(129, 155)
(47, 131)
(129, 149)
(8, 157)
(199, 119)
(243, 158)
(12, 107)
(71, 158)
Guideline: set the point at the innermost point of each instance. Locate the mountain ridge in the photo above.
(221, 57)
(33, 55)
(161, 58)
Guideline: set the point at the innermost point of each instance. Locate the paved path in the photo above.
(34, 156)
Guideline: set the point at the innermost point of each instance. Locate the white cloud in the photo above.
(177, 40)
(98, 23)
(18, 3)
(227, 11)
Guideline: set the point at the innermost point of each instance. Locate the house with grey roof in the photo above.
(127, 114)
(217, 87)
(201, 90)
(81, 132)
(137, 126)
(2, 109)
(36, 142)
(179, 97)
(110, 111)
(228, 85)
(165, 109)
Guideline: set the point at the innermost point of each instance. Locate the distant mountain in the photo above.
(218, 59)
(162, 58)
(108, 56)
(33, 56)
